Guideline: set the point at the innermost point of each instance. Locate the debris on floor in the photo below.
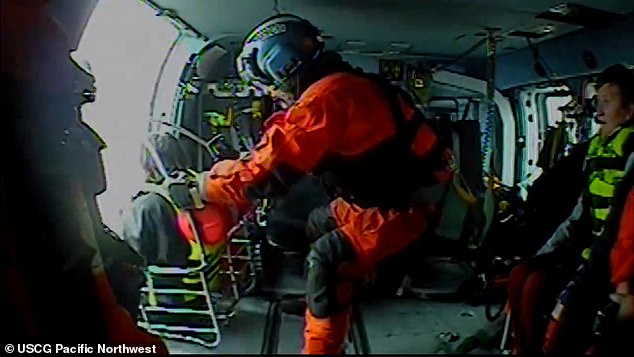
(394, 326)
(467, 313)
(448, 337)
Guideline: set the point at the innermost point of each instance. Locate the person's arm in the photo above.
(288, 150)
(622, 261)
(622, 254)
(567, 229)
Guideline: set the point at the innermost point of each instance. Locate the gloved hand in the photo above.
(220, 168)
(179, 187)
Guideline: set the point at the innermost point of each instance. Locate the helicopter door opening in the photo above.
(126, 73)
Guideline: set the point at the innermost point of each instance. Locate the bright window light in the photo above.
(552, 107)
(125, 44)
(591, 92)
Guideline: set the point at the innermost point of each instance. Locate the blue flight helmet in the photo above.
(276, 50)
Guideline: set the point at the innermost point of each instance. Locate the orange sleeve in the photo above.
(275, 118)
(298, 142)
(622, 255)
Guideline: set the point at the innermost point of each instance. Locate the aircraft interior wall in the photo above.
(368, 64)
(564, 54)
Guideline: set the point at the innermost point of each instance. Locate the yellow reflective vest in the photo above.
(605, 164)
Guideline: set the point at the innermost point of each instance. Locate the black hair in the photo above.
(622, 77)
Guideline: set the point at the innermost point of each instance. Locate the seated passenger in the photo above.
(622, 268)
(615, 334)
(156, 227)
(570, 331)
(534, 284)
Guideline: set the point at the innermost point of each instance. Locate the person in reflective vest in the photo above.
(535, 284)
(609, 269)
(614, 322)
(608, 154)
(157, 225)
(363, 136)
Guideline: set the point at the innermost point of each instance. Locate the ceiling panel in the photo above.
(442, 27)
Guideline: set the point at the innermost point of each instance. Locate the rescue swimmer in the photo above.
(367, 141)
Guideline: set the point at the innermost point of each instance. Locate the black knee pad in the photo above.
(320, 221)
(324, 259)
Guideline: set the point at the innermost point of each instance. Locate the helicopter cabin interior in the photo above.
(511, 82)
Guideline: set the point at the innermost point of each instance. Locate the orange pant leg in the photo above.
(374, 236)
(326, 336)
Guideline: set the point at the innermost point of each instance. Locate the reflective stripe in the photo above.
(212, 273)
(193, 175)
(618, 144)
(606, 164)
(586, 254)
(611, 147)
(196, 254)
(196, 251)
(601, 188)
(600, 213)
(611, 175)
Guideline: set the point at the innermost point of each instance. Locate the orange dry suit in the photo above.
(373, 149)
(275, 118)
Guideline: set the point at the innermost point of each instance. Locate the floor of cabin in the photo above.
(396, 325)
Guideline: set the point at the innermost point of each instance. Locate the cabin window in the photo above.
(590, 92)
(125, 44)
(548, 113)
(553, 114)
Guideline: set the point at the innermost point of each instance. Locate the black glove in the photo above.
(178, 188)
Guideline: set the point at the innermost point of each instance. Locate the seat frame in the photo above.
(246, 253)
(357, 336)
